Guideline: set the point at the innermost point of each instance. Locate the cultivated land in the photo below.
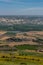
(21, 48)
(21, 44)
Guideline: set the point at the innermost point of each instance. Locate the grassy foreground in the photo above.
(9, 59)
(20, 62)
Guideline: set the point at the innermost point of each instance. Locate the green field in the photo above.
(30, 47)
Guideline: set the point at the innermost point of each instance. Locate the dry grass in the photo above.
(4, 38)
(30, 35)
(2, 32)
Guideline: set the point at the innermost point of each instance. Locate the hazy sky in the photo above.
(21, 7)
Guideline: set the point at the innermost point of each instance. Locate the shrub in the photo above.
(23, 64)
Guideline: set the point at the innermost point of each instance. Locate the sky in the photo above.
(21, 7)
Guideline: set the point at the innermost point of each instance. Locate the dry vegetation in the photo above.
(25, 37)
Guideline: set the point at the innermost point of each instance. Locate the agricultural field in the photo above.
(21, 45)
